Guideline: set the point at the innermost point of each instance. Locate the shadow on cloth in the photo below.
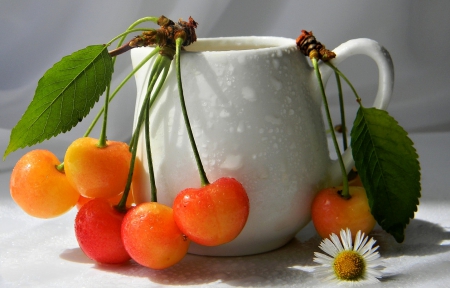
(289, 264)
(266, 269)
(273, 268)
(421, 238)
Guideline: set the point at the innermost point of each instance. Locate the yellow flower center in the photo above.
(349, 265)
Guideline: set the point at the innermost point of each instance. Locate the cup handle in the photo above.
(383, 60)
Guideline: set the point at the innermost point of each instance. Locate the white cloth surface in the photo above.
(44, 253)
(36, 34)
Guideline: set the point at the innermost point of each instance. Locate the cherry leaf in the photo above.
(389, 169)
(64, 96)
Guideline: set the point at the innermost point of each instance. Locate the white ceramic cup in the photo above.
(255, 108)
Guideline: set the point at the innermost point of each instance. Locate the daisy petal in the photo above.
(372, 257)
(323, 256)
(337, 242)
(359, 238)
(368, 246)
(362, 243)
(346, 237)
(328, 247)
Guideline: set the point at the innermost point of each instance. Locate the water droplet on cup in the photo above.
(240, 127)
(224, 114)
(248, 94)
(273, 120)
(232, 162)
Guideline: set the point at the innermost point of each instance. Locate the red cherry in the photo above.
(331, 212)
(214, 214)
(98, 232)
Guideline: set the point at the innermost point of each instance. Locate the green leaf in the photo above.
(64, 96)
(389, 169)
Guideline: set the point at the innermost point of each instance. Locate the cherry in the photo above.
(97, 172)
(331, 212)
(151, 236)
(39, 188)
(98, 232)
(213, 214)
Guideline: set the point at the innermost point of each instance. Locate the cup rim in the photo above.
(240, 44)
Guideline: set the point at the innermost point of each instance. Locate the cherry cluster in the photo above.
(152, 234)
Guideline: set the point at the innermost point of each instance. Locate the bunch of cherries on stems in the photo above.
(97, 174)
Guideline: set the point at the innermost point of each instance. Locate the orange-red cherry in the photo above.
(214, 214)
(331, 212)
(39, 188)
(151, 236)
(97, 172)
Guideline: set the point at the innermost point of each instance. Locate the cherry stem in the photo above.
(124, 81)
(102, 139)
(345, 190)
(60, 167)
(149, 154)
(201, 170)
(342, 111)
(126, 47)
(161, 63)
(153, 73)
(336, 70)
(129, 30)
(113, 54)
(144, 19)
(133, 145)
(165, 63)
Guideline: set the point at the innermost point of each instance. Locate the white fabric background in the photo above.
(36, 34)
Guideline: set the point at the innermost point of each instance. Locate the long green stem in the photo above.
(149, 154)
(358, 99)
(123, 201)
(161, 64)
(124, 81)
(352, 174)
(342, 110)
(166, 66)
(153, 74)
(102, 139)
(122, 36)
(201, 170)
(345, 192)
(128, 31)
(133, 145)
(144, 19)
(131, 29)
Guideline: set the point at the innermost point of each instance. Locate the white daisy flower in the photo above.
(360, 264)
